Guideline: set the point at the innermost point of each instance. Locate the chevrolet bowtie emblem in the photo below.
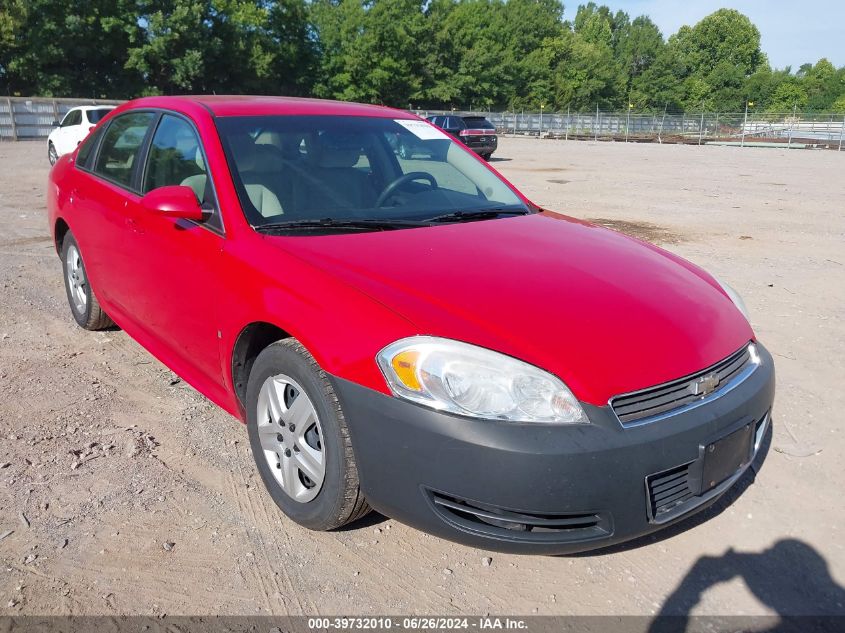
(705, 385)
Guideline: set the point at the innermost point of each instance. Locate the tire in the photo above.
(286, 369)
(83, 302)
(52, 154)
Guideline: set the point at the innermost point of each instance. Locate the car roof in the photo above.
(86, 108)
(246, 105)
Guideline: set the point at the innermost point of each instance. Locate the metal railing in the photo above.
(793, 129)
(24, 118)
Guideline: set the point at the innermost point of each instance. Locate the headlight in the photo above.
(734, 295)
(461, 378)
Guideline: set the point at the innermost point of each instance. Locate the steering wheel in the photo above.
(406, 178)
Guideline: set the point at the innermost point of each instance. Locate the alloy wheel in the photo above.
(76, 280)
(291, 437)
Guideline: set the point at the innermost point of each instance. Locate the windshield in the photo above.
(334, 169)
(94, 116)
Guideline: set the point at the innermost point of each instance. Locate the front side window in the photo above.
(332, 169)
(121, 144)
(74, 117)
(176, 158)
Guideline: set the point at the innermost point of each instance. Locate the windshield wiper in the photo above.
(341, 223)
(480, 214)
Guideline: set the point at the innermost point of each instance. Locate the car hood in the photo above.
(605, 312)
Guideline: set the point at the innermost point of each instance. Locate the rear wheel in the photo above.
(299, 439)
(83, 303)
(52, 154)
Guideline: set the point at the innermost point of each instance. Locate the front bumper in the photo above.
(533, 488)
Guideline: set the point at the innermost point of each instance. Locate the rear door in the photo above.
(104, 205)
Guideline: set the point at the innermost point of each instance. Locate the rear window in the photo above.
(478, 123)
(95, 116)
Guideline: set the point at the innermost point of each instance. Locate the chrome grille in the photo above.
(636, 406)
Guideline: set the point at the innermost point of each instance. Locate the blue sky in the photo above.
(792, 33)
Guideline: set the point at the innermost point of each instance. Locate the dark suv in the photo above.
(475, 132)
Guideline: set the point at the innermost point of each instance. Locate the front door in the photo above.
(180, 259)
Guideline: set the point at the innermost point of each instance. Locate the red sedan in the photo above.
(410, 333)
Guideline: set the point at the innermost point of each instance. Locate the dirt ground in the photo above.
(124, 491)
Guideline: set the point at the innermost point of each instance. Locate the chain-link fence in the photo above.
(793, 129)
(22, 118)
(32, 118)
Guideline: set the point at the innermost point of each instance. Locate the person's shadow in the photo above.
(790, 578)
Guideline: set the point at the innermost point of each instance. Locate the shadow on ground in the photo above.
(790, 578)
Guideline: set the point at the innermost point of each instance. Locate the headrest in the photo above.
(335, 158)
(339, 149)
(255, 158)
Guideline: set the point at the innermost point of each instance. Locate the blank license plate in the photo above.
(724, 457)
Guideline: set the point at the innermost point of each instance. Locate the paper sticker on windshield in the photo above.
(421, 129)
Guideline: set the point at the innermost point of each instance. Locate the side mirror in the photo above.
(176, 201)
(56, 123)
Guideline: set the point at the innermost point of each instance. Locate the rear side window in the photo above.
(121, 143)
(86, 150)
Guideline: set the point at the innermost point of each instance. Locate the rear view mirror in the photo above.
(176, 201)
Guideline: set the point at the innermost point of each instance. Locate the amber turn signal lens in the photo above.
(405, 366)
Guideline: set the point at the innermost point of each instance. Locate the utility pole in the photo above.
(596, 130)
(566, 136)
(628, 121)
(745, 122)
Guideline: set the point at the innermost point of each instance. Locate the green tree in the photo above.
(838, 105)
(72, 48)
(787, 96)
(223, 46)
(371, 50)
(823, 84)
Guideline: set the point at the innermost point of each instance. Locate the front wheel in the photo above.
(52, 154)
(300, 441)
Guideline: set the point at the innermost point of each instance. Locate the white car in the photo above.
(73, 129)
